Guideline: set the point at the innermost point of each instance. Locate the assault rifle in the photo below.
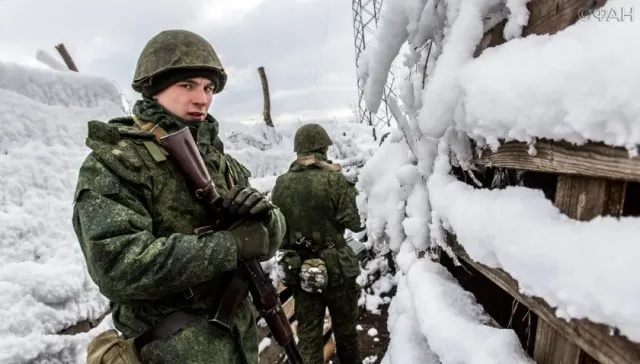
(249, 275)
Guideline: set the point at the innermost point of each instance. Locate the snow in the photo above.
(582, 88)
(557, 261)
(44, 286)
(570, 86)
(407, 344)
(43, 283)
(455, 326)
(264, 343)
(267, 155)
(376, 280)
(433, 320)
(370, 359)
(372, 332)
(577, 85)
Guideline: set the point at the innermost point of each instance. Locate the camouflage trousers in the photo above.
(199, 342)
(342, 302)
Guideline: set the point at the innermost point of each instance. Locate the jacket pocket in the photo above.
(109, 348)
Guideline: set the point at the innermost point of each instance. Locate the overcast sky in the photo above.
(306, 46)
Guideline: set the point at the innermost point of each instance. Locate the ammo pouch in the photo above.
(109, 348)
(313, 275)
(341, 263)
(288, 267)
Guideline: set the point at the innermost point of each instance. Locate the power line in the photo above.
(366, 14)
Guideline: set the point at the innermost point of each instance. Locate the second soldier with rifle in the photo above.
(147, 237)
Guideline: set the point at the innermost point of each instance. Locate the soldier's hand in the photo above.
(246, 201)
(252, 240)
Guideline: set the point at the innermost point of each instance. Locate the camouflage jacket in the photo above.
(135, 216)
(319, 203)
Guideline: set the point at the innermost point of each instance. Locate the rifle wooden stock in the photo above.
(249, 275)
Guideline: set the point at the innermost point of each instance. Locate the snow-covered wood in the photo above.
(593, 160)
(525, 92)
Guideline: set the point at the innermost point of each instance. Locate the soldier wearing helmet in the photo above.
(138, 222)
(319, 203)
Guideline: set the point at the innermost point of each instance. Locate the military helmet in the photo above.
(310, 137)
(177, 49)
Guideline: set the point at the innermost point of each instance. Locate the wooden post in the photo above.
(66, 57)
(581, 198)
(265, 93)
(580, 193)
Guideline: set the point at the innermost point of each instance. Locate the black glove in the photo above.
(247, 202)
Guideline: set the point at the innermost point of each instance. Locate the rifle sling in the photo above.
(233, 295)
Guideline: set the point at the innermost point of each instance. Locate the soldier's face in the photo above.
(189, 99)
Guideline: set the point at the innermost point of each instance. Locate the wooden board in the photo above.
(592, 338)
(546, 17)
(553, 347)
(594, 160)
(580, 198)
(551, 16)
(329, 349)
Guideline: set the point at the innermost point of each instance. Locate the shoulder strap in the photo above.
(150, 127)
(158, 153)
(309, 160)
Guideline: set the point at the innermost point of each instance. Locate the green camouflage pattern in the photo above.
(342, 303)
(310, 137)
(318, 204)
(134, 216)
(176, 49)
(316, 198)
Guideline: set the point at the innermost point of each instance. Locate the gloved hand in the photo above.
(252, 240)
(246, 202)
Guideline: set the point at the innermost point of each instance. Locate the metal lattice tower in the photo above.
(365, 21)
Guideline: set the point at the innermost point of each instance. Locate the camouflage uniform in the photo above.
(318, 203)
(135, 216)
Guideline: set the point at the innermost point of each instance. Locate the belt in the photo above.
(165, 328)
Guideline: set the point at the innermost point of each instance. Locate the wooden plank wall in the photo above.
(592, 181)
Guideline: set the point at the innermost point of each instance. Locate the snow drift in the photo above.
(44, 286)
(578, 85)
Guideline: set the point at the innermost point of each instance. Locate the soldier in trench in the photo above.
(136, 218)
(319, 203)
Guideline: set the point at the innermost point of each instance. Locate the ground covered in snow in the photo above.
(373, 336)
(44, 287)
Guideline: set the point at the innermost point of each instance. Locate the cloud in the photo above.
(306, 46)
